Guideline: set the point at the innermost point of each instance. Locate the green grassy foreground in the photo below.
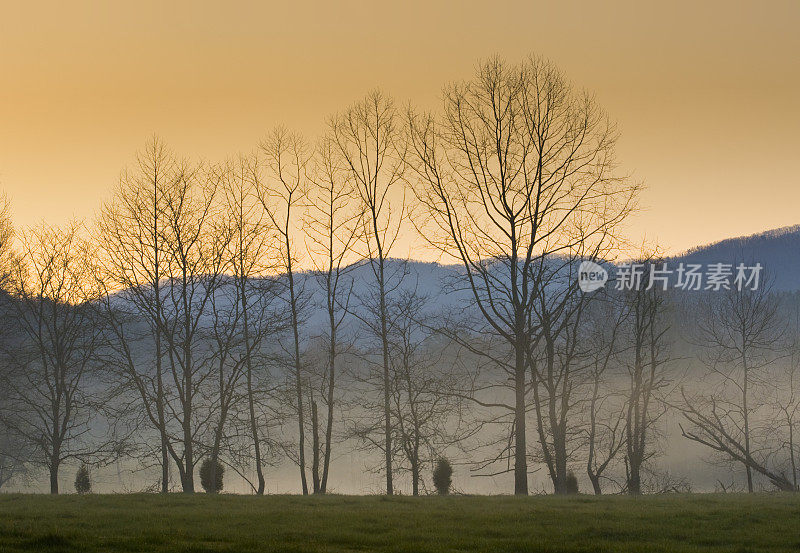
(736, 523)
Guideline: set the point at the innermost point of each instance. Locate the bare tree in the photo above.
(373, 150)
(8, 258)
(558, 362)
(514, 162)
(176, 244)
(428, 419)
(169, 234)
(13, 450)
(164, 246)
(559, 358)
(250, 260)
(52, 397)
(785, 404)
(194, 244)
(132, 229)
(286, 157)
(646, 358)
(332, 231)
(741, 331)
(605, 437)
(710, 425)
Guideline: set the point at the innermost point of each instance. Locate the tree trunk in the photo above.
(188, 447)
(326, 462)
(215, 452)
(520, 443)
(254, 429)
(54, 477)
(595, 480)
(164, 464)
(188, 473)
(162, 423)
(386, 379)
(634, 479)
(159, 368)
(746, 429)
(315, 476)
(791, 455)
(250, 400)
(298, 379)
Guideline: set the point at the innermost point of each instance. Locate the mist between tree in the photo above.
(175, 343)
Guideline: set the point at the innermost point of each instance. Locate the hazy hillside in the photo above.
(777, 250)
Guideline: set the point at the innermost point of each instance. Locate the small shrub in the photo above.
(211, 479)
(442, 476)
(571, 483)
(83, 483)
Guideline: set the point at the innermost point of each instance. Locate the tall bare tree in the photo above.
(283, 194)
(515, 161)
(132, 229)
(646, 358)
(332, 232)
(52, 387)
(14, 451)
(605, 427)
(195, 244)
(250, 259)
(373, 148)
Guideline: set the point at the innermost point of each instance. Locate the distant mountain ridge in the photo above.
(777, 250)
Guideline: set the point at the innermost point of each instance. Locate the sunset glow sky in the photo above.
(707, 96)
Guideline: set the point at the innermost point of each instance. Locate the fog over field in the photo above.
(675, 463)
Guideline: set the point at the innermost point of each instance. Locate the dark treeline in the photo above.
(254, 311)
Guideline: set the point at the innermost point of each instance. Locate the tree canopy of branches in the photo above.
(372, 146)
(742, 334)
(517, 162)
(646, 357)
(51, 402)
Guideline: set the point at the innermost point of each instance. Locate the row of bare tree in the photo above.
(214, 309)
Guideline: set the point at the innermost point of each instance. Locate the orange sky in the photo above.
(707, 96)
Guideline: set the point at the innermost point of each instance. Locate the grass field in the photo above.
(736, 523)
